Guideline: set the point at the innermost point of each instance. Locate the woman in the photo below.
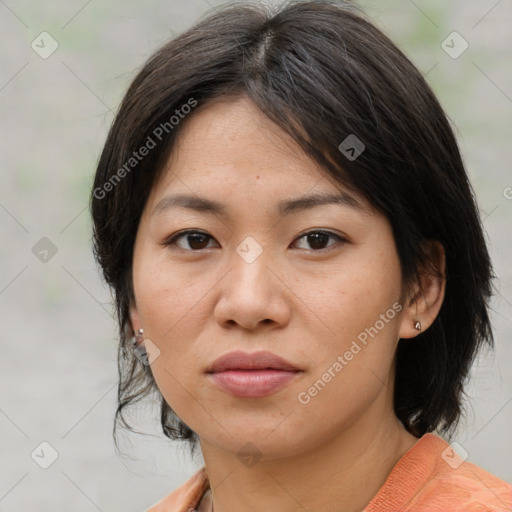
(285, 219)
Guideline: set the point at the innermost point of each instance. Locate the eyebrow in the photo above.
(287, 207)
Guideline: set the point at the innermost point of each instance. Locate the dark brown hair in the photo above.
(322, 72)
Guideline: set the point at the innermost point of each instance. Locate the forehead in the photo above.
(233, 138)
(232, 145)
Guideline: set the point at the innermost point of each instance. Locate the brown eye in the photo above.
(190, 240)
(197, 240)
(318, 240)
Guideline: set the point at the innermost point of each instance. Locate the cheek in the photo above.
(170, 297)
(174, 316)
(163, 297)
(351, 298)
(359, 308)
(174, 303)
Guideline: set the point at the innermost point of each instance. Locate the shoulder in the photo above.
(432, 477)
(468, 488)
(186, 497)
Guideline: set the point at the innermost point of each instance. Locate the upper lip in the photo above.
(239, 360)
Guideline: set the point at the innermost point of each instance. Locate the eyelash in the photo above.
(172, 240)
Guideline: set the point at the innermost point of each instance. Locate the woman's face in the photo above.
(330, 304)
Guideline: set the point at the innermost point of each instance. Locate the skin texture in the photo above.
(304, 302)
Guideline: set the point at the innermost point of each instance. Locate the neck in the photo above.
(343, 474)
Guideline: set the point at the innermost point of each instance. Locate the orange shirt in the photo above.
(429, 477)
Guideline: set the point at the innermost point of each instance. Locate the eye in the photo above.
(196, 240)
(318, 239)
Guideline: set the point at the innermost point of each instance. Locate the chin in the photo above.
(258, 441)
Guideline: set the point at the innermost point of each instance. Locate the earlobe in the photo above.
(138, 332)
(134, 318)
(427, 295)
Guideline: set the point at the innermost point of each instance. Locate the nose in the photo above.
(253, 294)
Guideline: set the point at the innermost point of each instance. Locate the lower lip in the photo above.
(252, 383)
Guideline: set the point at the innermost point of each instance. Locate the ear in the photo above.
(426, 296)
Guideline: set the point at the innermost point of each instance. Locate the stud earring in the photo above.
(139, 337)
(139, 349)
(417, 325)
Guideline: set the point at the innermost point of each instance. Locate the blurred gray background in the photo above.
(58, 348)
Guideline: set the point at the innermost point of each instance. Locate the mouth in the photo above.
(251, 375)
(246, 361)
